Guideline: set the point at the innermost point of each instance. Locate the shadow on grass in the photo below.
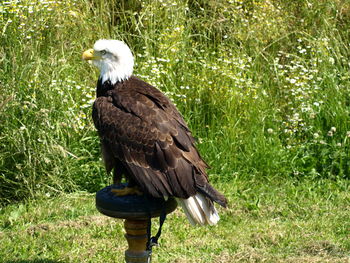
(34, 261)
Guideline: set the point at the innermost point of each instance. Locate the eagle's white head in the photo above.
(113, 58)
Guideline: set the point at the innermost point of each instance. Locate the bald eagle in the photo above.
(144, 137)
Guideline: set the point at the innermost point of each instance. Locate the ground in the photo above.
(266, 221)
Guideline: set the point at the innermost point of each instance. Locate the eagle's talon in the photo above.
(127, 191)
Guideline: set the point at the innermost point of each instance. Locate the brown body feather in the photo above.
(144, 137)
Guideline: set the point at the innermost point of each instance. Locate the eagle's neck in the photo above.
(115, 69)
(114, 74)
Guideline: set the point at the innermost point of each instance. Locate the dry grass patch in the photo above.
(80, 222)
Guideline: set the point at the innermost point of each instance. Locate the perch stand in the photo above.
(137, 212)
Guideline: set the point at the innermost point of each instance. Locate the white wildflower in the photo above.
(292, 81)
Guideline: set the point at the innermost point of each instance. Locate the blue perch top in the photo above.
(131, 206)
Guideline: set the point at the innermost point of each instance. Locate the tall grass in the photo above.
(264, 85)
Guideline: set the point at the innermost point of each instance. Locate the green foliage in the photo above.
(264, 85)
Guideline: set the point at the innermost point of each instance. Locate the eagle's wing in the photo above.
(143, 129)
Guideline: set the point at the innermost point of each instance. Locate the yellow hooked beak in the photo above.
(90, 55)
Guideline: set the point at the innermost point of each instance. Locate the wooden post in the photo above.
(136, 210)
(136, 235)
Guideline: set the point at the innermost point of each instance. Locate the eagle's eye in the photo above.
(103, 52)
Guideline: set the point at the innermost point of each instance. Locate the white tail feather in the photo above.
(199, 210)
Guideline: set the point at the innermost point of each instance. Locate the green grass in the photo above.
(275, 220)
(263, 85)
